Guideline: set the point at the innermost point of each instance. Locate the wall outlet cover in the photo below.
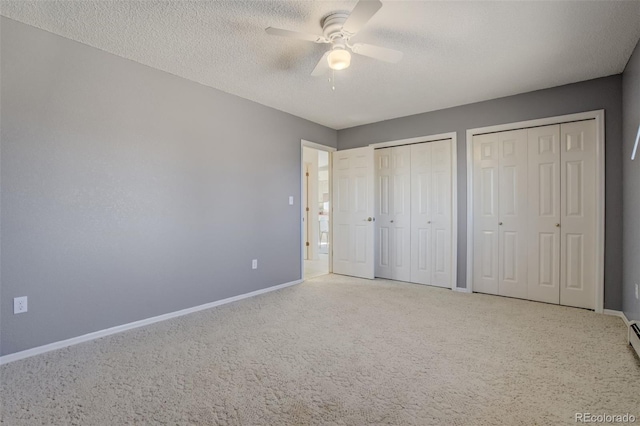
(254, 264)
(19, 305)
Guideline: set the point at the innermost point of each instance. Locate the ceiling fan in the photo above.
(337, 30)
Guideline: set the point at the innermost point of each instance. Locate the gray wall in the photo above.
(631, 187)
(128, 192)
(602, 93)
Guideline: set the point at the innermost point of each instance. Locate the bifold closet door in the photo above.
(544, 214)
(500, 213)
(431, 213)
(534, 213)
(393, 224)
(578, 204)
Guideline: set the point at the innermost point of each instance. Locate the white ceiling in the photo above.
(454, 52)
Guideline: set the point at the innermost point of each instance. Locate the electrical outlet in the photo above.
(636, 291)
(19, 304)
(254, 264)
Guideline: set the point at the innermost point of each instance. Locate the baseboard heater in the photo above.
(634, 337)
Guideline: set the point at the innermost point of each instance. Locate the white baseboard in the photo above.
(461, 289)
(124, 327)
(618, 314)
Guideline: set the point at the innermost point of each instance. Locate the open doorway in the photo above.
(316, 205)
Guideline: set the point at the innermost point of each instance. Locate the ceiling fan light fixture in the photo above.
(339, 59)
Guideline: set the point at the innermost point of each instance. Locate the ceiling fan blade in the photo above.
(377, 52)
(322, 67)
(360, 15)
(295, 34)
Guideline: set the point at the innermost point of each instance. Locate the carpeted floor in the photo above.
(344, 351)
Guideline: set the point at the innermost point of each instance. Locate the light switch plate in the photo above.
(290, 200)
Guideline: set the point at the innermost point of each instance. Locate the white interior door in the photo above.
(512, 225)
(383, 212)
(578, 205)
(401, 221)
(486, 165)
(353, 226)
(393, 213)
(431, 213)
(544, 214)
(441, 212)
(421, 214)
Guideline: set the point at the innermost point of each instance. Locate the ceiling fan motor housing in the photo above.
(332, 25)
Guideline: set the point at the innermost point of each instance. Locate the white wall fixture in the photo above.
(635, 148)
(19, 304)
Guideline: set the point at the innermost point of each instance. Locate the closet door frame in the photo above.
(598, 116)
(454, 191)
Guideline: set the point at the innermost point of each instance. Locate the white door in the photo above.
(421, 214)
(431, 255)
(544, 214)
(513, 207)
(392, 213)
(383, 210)
(486, 165)
(500, 211)
(441, 212)
(578, 205)
(353, 226)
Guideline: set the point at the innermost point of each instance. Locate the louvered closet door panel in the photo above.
(401, 211)
(486, 162)
(421, 214)
(383, 212)
(441, 212)
(512, 223)
(544, 214)
(578, 214)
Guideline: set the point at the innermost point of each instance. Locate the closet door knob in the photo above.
(429, 222)
(392, 221)
(557, 225)
(500, 224)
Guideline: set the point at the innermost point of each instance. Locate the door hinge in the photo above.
(307, 243)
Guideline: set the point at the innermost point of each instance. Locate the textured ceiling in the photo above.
(454, 52)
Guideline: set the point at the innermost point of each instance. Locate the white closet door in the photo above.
(513, 206)
(353, 229)
(383, 212)
(441, 212)
(578, 214)
(401, 221)
(421, 214)
(544, 214)
(393, 213)
(431, 213)
(486, 161)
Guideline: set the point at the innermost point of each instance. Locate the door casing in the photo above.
(319, 147)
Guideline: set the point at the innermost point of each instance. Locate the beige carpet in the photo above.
(343, 351)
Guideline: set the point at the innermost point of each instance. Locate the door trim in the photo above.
(454, 190)
(319, 147)
(598, 115)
